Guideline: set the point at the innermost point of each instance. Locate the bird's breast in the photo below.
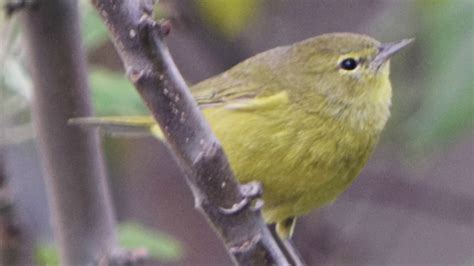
(298, 157)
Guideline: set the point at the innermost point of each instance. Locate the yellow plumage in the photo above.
(299, 119)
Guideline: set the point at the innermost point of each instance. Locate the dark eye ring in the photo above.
(349, 64)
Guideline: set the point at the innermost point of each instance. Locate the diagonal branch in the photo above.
(139, 41)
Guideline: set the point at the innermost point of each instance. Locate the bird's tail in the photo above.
(123, 126)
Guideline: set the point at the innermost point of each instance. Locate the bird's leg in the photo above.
(250, 191)
(286, 227)
(12, 6)
(293, 252)
(282, 232)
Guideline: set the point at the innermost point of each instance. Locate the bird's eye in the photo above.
(348, 64)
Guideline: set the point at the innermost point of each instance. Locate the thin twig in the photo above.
(139, 41)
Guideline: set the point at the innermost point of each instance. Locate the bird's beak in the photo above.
(386, 50)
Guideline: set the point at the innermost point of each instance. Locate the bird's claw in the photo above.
(258, 205)
(250, 191)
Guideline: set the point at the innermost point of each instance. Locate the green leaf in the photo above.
(113, 94)
(159, 245)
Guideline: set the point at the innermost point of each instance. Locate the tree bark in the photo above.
(226, 204)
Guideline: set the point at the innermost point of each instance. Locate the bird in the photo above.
(302, 119)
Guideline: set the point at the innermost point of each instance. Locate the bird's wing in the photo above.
(247, 81)
(141, 126)
(250, 86)
(244, 96)
(220, 91)
(257, 103)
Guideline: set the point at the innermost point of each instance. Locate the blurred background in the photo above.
(412, 205)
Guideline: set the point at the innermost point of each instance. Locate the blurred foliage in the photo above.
(46, 255)
(15, 86)
(228, 16)
(113, 94)
(94, 32)
(159, 245)
(446, 38)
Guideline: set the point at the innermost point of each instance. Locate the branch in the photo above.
(76, 185)
(10, 233)
(139, 41)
